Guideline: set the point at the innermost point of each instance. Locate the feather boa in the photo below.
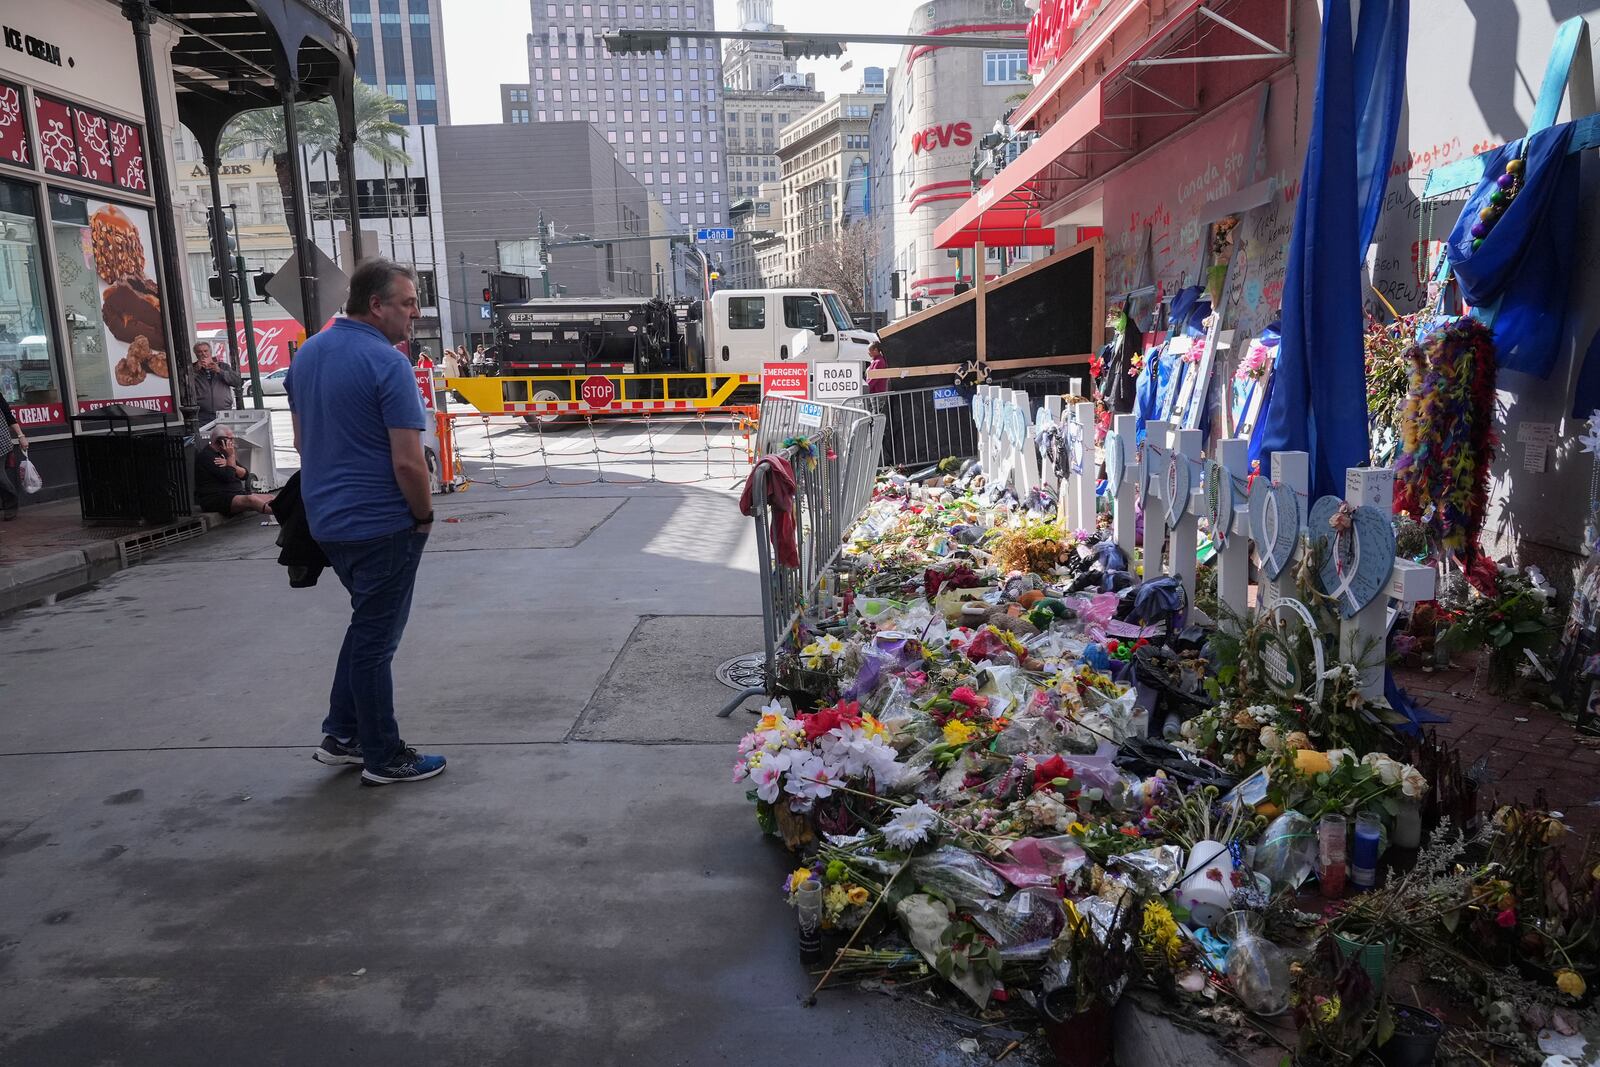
(1447, 435)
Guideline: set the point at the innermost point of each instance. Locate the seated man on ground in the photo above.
(219, 478)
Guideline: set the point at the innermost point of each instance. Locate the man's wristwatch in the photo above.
(428, 521)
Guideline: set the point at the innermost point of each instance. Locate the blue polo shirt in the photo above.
(348, 387)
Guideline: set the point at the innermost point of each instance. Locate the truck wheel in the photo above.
(552, 422)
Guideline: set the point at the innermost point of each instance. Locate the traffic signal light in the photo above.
(488, 296)
(229, 243)
(894, 284)
(635, 42)
(261, 280)
(215, 283)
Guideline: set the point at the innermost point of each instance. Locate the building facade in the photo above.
(515, 98)
(753, 122)
(504, 181)
(942, 103)
(824, 164)
(758, 226)
(400, 52)
(661, 112)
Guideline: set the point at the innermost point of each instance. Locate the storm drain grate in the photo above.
(131, 550)
(744, 672)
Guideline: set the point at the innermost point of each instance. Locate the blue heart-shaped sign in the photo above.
(1356, 562)
(1016, 424)
(1116, 462)
(1075, 446)
(1275, 521)
(980, 411)
(1179, 485)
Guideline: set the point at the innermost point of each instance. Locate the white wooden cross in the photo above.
(1409, 583)
(1081, 466)
(1161, 445)
(1020, 439)
(1121, 448)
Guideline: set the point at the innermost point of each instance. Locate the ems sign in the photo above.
(958, 134)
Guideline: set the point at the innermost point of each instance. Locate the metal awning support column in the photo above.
(172, 295)
(299, 217)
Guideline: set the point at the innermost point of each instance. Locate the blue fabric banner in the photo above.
(1319, 399)
(1525, 261)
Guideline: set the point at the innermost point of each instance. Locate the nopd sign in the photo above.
(1051, 28)
(954, 133)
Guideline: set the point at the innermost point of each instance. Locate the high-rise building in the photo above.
(765, 92)
(661, 112)
(403, 56)
(515, 98)
(756, 66)
(825, 162)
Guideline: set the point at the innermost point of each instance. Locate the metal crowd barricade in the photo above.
(834, 471)
(918, 431)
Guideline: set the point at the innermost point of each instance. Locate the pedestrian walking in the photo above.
(358, 425)
(13, 443)
(211, 383)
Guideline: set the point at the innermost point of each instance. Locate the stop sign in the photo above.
(598, 391)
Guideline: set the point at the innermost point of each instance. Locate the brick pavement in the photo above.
(1540, 752)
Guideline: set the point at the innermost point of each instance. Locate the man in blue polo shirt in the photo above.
(358, 423)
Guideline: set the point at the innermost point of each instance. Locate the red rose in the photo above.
(1507, 918)
(1051, 769)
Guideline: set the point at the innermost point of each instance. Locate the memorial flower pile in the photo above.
(1011, 763)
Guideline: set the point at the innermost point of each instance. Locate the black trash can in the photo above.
(134, 466)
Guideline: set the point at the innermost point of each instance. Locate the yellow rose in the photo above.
(858, 896)
(800, 875)
(1570, 982)
(1308, 762)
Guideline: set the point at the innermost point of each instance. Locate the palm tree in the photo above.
(317, 124)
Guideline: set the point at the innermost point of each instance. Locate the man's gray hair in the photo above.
(220, 430)
(374, 278)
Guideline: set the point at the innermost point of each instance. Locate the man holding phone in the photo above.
(358, 425)
(211, 383)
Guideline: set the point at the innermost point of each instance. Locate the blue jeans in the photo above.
(379, 575)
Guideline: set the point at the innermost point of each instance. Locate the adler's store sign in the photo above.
(1050, 31)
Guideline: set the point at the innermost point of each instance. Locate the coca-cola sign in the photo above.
(1050, 31)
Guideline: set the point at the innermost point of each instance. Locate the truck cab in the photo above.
(750, 327)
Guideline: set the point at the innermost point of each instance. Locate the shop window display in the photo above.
(104, 271)
(28, 374)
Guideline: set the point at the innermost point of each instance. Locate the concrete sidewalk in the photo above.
(182, 884)
(49, 550)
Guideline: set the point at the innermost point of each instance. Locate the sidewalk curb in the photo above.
(27, 583)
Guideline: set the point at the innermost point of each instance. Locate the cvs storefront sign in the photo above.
(1051, 28)
(955, 133)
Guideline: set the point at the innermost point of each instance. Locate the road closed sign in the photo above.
(785, 379)
(837, 381)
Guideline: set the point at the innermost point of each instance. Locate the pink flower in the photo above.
(1507, 918)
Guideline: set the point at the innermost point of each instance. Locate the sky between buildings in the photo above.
(486, 43)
